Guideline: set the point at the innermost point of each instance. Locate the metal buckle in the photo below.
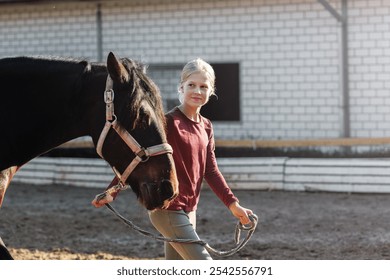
(143, 155)
(109, 96)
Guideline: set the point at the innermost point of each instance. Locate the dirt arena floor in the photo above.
(58, 222)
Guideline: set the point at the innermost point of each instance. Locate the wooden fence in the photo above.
(276, 173)
(85, 142)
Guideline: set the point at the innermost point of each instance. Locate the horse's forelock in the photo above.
(143, 89)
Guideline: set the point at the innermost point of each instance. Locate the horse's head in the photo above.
(134, 141)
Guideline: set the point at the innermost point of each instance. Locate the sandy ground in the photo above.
(58, 222)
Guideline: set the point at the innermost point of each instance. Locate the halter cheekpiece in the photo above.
(141, 154)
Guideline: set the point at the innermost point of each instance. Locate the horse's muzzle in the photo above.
(170, 192)
(157, 195)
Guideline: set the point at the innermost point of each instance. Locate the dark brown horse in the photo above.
(46, 102)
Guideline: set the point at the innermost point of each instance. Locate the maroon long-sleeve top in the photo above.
(193, 152)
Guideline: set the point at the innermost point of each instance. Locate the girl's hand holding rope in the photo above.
(241, 213)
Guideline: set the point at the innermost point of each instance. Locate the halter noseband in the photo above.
(141, 154)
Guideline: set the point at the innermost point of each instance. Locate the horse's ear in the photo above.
(116, 70)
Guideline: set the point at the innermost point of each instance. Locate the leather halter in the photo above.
(141, 154)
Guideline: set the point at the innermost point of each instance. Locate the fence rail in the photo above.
(246, 143)
(276, 173)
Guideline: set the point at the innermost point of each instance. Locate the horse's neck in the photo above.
(80, 113)
(37, 120)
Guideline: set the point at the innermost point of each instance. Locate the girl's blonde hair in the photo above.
(195, 66)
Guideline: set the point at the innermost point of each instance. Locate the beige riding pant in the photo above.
(179, 224)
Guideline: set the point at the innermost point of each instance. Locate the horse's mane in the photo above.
(143, 89)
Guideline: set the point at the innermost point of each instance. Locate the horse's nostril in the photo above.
(166, 188)
(165, 182)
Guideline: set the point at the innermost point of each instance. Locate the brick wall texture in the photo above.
(288, 51)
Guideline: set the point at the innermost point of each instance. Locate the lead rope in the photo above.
(239, 244)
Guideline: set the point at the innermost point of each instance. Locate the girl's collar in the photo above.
(196, 119)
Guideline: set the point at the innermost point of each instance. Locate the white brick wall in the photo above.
(65, 30)
(288, 52)
(369, 38)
